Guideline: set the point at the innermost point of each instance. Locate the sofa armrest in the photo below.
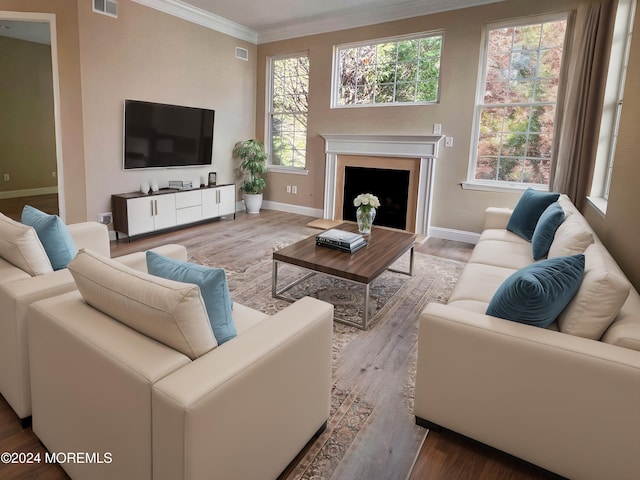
(15, 298)
(565, 403)
(495, 217)
(92, 236)
(138, 260)
(223, 408)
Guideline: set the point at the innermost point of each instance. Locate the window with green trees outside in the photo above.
(401, 70)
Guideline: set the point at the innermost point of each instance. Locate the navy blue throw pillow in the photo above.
(545, 230)
(527, 211)
(538, 293)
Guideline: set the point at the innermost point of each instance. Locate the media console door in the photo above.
(151, 214)
(218, 201)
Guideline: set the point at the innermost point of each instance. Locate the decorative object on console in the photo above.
(252, 165)
(144, 188)
(181, 184)
(154, 186)
(212, 179)
(366, 212)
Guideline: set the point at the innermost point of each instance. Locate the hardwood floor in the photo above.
(242, 242)
(12, 207)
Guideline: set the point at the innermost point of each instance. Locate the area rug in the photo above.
(371, 432)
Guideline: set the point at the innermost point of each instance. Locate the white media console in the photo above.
(137, 213)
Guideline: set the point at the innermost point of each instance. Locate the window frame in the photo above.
(269, 115)
(613, 105)
(471, 182)
(335, 75)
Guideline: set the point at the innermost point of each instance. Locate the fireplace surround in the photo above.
(415, 154)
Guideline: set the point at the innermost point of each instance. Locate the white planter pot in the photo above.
(253, 202)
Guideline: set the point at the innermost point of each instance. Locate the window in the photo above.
(288, 109)
(614, 94)
(402, 70)
(516, 106)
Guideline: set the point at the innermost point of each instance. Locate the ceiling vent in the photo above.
(242, 53)
(106, 7)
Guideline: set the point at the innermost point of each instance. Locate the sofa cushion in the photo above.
(213, 288)
(502, 254)
(572, 237)
(53, 234)
(527, 211)
(170, 312)
(20, 246)
(598, 300)
(538, 293)
(545, 229)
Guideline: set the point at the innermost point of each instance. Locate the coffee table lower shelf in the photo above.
(278, 292)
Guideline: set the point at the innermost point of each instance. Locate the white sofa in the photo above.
(566, 403)
(19, 288)
(241, 410)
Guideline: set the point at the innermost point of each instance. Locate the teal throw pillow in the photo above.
(213, 288)
(53, 234)
(545, 230)
(527, 211)
(538, 293)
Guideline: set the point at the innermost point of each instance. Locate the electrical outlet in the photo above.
(54, 174)
(6, 177)
(288, 188)
(448, 142)
(294, 189)
(437, 128)
(105, 218)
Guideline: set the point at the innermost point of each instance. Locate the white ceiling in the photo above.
(279, 19)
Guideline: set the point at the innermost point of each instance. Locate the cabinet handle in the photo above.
(152, 212)
(156, 202)
(217, 196)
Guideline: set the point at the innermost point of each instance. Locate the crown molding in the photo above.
(359, 18)
(202, 17)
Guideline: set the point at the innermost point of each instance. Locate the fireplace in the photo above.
(390, 186)
(397, 169)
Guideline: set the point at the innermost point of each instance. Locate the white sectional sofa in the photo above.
(550, 396)
(145, 387)
(19, 287)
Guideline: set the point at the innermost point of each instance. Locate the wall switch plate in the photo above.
(6, 177)
(294, 189)
(448, 142)
(437, 128)
(288, 188)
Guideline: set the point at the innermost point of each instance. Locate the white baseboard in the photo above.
(287, 207)
(457, 235)
(28, 192)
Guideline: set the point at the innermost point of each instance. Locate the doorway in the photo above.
(31, 166)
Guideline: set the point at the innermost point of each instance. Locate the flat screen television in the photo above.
(158, 135)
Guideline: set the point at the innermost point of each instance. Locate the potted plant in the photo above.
(252, 165)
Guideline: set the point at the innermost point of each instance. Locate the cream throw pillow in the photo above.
(170, 312)
(20, 246)
(571, 238)
(598, 299)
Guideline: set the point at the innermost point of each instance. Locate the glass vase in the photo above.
(364, 217)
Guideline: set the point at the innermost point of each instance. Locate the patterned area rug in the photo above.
(361, 361)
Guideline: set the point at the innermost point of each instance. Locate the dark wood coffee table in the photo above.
(384, 247)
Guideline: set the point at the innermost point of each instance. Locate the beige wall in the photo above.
(453, 208)
(619, 229)
(27, 135)
(70, 98)
(148, 55)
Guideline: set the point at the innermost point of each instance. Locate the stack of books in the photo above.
(341, 240)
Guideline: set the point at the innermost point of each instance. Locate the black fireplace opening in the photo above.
(390, 186)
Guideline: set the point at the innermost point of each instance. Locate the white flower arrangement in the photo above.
(367, 201)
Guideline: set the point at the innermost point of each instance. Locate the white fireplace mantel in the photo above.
(423, 147)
